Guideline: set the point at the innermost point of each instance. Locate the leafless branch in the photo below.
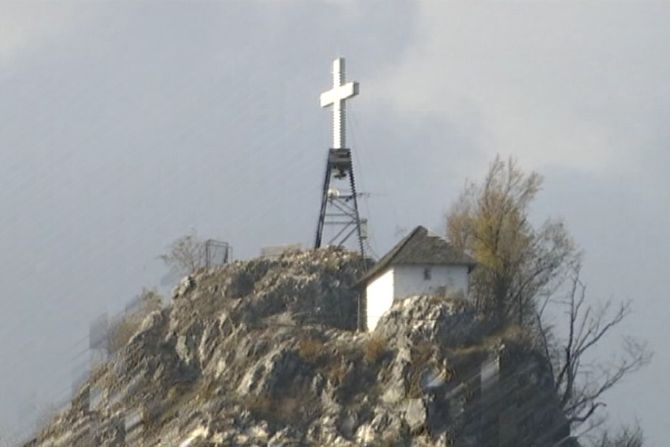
(185, 255)
(581, 386)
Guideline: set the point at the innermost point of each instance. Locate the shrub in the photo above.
(122, 329)
(337, 371)
(120, 333)
(310, 349)
(282, 410)
(261, 406)
(289, 410)
(375, 349)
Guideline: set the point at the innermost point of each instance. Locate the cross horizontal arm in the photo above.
(339, 93)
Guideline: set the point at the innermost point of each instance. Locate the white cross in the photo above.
(336, 97)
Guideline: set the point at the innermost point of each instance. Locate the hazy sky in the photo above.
(125, 125)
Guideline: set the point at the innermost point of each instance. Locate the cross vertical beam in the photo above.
(336, 98)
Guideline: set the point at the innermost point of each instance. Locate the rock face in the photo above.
(264, 352)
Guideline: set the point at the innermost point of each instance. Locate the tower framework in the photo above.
(339, 205)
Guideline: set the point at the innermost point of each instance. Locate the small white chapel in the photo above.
(423, 263)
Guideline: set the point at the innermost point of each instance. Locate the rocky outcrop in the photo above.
(264, 352)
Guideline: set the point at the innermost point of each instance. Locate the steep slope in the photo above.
(264, 353)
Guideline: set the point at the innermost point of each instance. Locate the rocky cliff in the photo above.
(265, 352)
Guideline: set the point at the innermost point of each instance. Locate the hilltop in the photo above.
(265, 352)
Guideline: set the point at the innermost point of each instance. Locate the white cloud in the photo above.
(554, 84)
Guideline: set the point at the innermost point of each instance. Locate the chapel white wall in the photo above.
(379, 298)
(409, 280)
(403, 281)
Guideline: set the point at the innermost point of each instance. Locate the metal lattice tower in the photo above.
(339, 199)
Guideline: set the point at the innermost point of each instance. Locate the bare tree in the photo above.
(580, 381)
(522, 270)
(185, 255)
(517, 262)
(627, 436)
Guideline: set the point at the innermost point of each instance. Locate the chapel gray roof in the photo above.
(420, 247)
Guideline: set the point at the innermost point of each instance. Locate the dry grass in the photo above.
(471, 356)
(261, 406)
(285, 410)
(289, 410)
(99, 372)
(208, 389)
(337, 371)
(422, 353)
(391, 440)
(120, 333)
(175, 399)
(422, 357)
(311, 350)
(375, 349)
(123, 329)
